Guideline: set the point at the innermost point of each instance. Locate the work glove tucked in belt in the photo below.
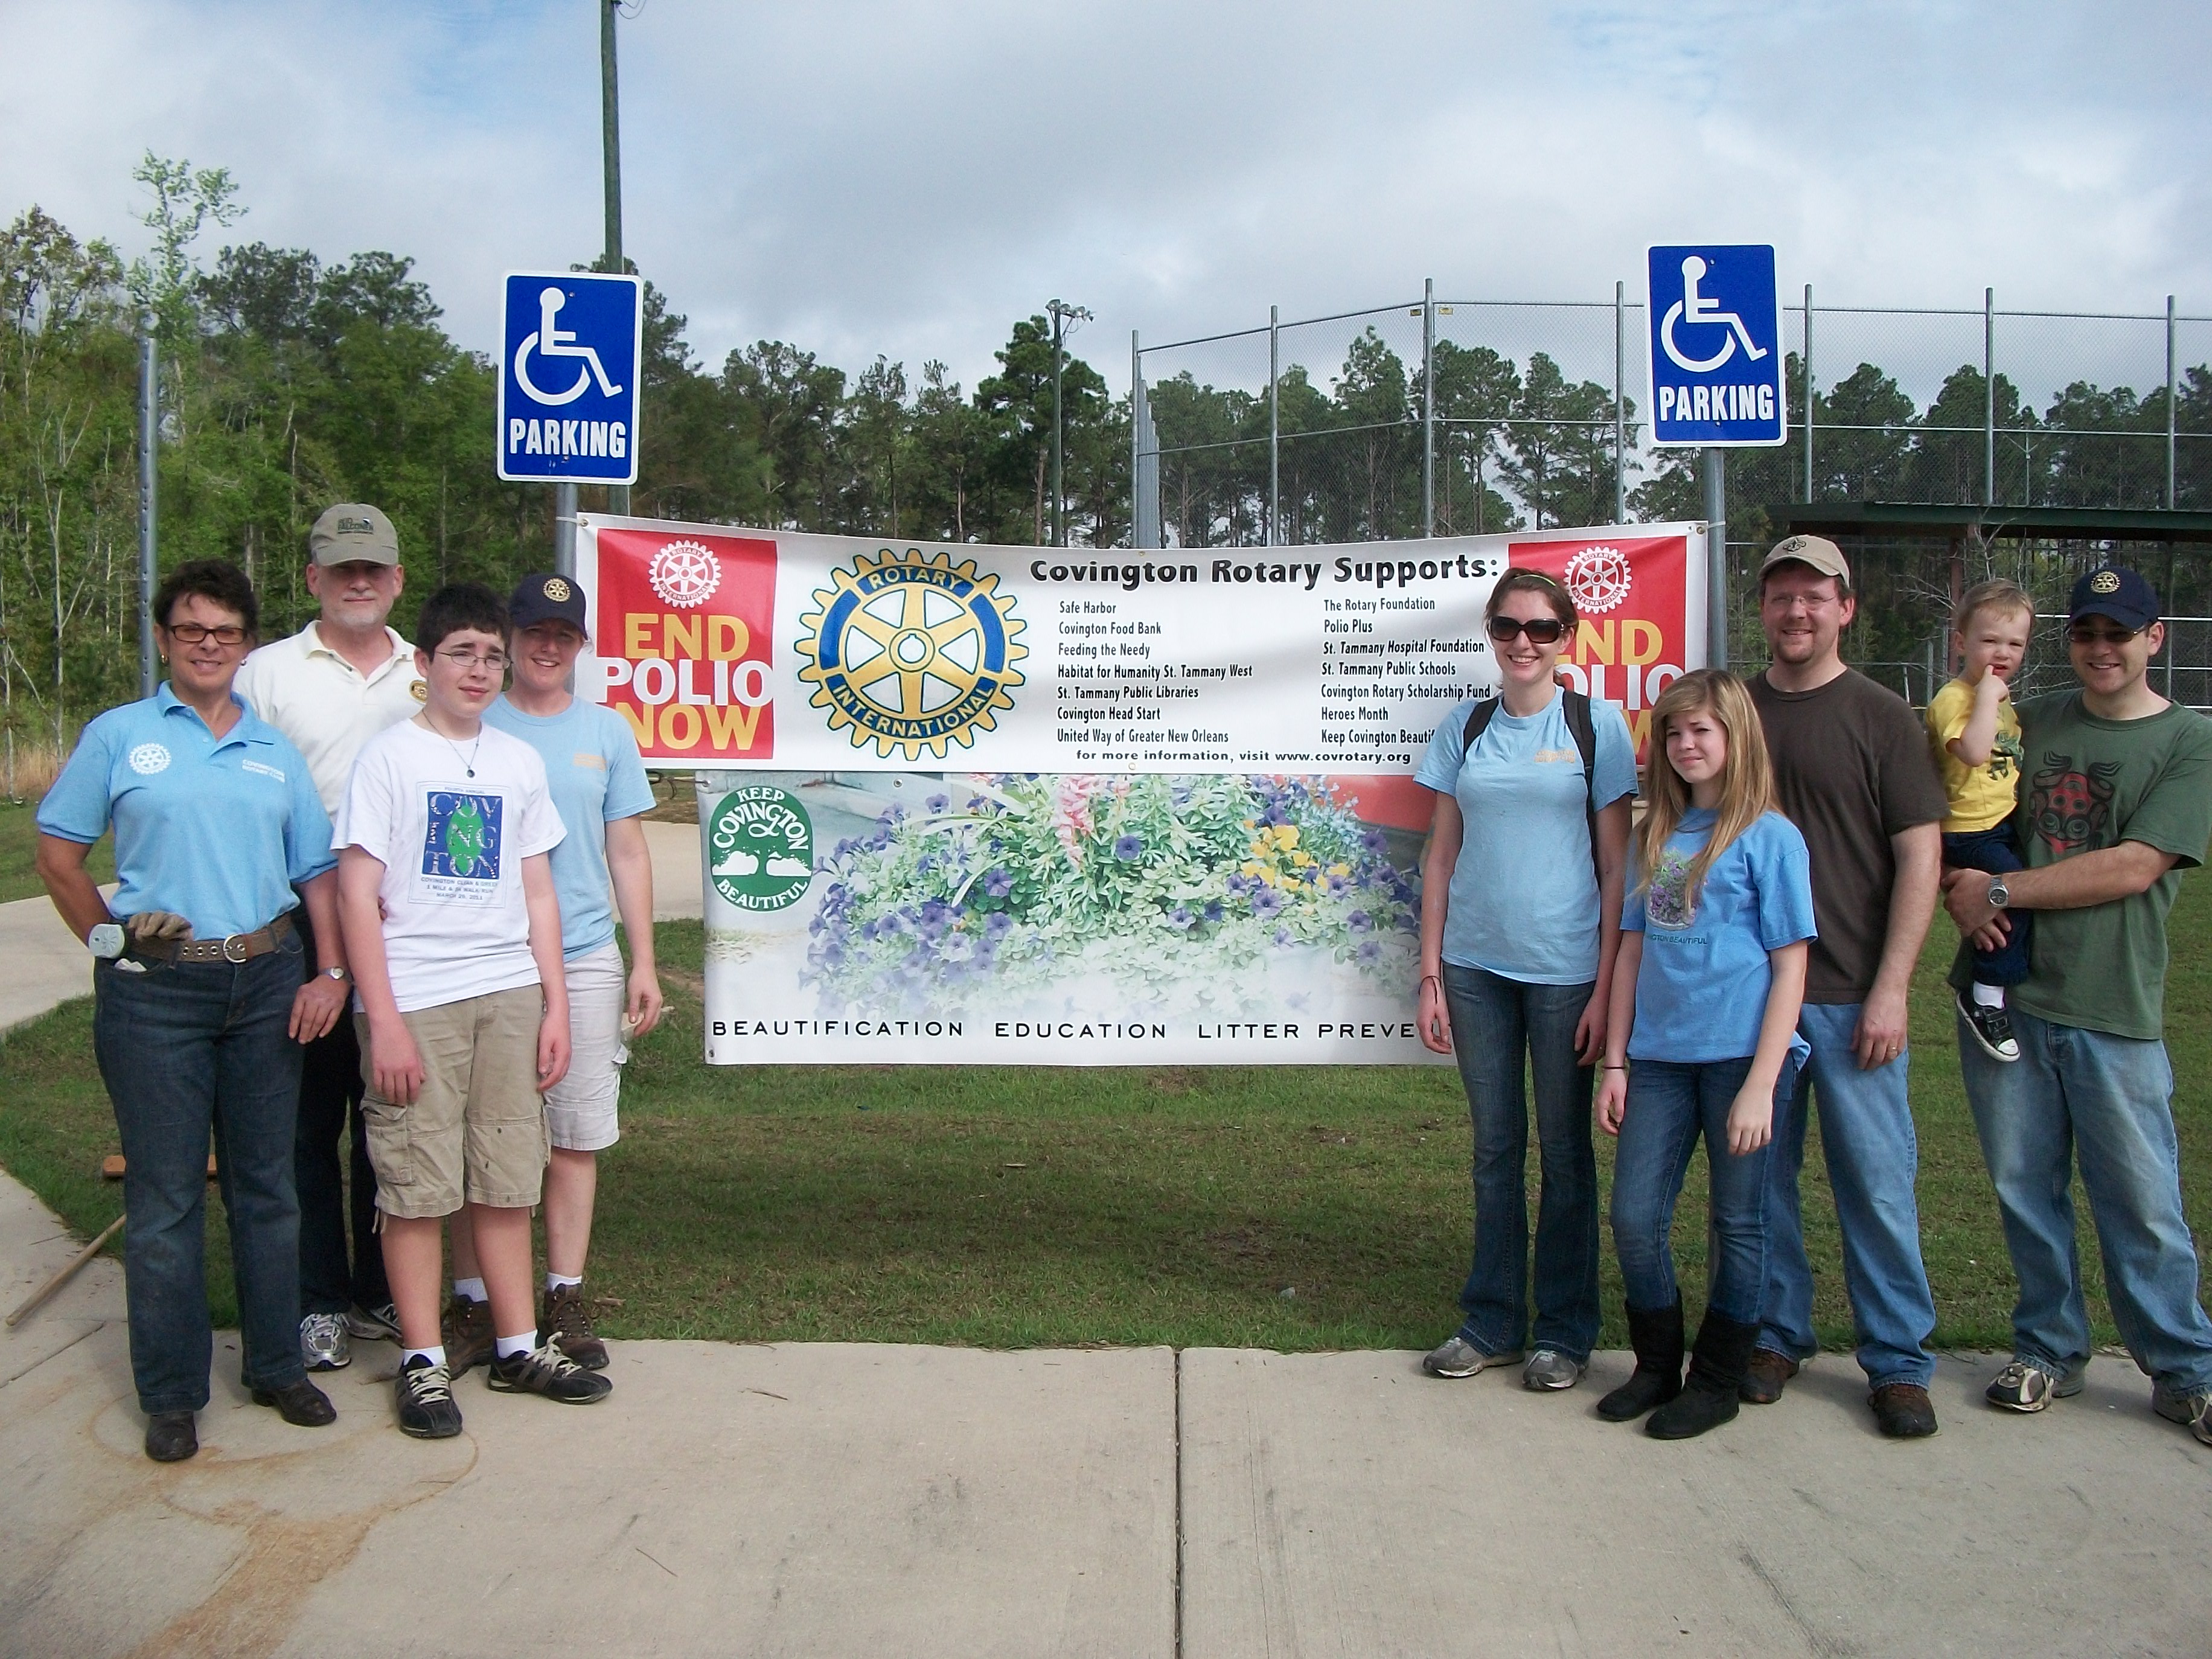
(157, 926)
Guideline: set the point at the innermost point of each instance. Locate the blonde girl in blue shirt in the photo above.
(1701, 1037)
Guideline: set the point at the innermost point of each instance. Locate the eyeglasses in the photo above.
(2082, 634)
(1540, 630)
(494, 660)
(228, 634)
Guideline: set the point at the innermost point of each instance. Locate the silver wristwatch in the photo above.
(337, 974)
(2000, 894)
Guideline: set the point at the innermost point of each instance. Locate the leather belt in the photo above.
(237, 948)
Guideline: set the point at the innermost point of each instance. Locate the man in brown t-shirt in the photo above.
(1851, 765)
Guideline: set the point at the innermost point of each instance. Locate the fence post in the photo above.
(1620, 410)
(1428, 406)
(1809, 391)
(1274, 427)
(2169, 429)
(1716, 616)
(1136, 437)
(1988, 397)
(150, 440)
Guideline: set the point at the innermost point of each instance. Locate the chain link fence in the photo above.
(1443, 417)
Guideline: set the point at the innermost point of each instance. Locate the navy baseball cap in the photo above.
(2116, 592)
(547, 599)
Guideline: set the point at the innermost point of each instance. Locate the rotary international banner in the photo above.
(967, 804)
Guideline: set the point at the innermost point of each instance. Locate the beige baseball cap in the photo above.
(352, 532)
(1813, 552)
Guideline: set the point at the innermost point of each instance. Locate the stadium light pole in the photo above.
(1062, 314)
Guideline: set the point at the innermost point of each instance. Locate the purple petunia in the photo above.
(938, 803)
(998, 882)
(1265, 903)
(1371, 951)
(1180, 916)
(1360, 922)
(1127, 847)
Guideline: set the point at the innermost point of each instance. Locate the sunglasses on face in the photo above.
(1540, 630)
(2086, 634)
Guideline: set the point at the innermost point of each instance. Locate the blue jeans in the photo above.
(2104, 1098)
(1874, 1158)
(185, 1048)
(1995, 851)
(1669, 1106)
(1495, 1022)
(330, 1089)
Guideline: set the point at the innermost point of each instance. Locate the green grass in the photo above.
(19, 851)
(1290, 1209)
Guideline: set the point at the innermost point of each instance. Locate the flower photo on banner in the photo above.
(1044, 895)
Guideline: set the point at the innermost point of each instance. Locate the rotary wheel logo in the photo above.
(1598, 580)
(912, 653)
(761, 845)
(684, 574)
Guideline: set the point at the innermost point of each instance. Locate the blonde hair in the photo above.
(1747, 776)
(1997, 595)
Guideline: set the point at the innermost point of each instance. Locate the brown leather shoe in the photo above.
(1765, 1378)
(1902, 1411)
(566, 1324)
(466, 1332)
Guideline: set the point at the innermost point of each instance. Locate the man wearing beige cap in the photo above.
(329, 689)
(1852, 769)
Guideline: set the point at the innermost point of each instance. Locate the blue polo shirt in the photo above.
(217, 830)
(594, 775)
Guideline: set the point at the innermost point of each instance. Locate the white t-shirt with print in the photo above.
(455, 923)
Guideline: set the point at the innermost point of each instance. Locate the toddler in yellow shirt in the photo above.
(1974, 732)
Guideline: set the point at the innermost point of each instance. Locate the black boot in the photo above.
(1716, 1368)
(1656, 1334)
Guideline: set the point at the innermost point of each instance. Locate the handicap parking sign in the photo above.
(568, 377)
(1716, 356)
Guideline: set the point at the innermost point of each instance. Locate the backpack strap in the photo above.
(1478, 722)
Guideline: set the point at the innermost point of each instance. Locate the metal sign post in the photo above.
(1715, 358)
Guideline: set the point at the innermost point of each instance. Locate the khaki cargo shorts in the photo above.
(478, 1127)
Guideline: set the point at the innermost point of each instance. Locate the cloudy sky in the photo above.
(908, 178)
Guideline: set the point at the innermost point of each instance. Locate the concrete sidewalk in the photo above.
(870, 1500)
(881, 1500)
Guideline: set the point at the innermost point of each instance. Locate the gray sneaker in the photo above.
(2025, 1386)
(2192, 1409)
(377, 1324)
(322, 1342)
(1547, 1368)
(1460, 1358)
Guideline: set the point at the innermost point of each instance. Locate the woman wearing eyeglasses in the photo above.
(200, 1011)
(1520, 925)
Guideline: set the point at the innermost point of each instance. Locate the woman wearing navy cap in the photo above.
(200, 1010)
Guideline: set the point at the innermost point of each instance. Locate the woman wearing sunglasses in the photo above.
(199, 1007)
(1520, 925)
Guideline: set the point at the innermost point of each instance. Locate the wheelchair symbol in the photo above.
(551, 342)
(1694, 309)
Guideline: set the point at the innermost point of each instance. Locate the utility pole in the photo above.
(1062, 314)
(1716, 583)
(149, 441)
(611, 142)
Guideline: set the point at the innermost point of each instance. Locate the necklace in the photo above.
(468, 761)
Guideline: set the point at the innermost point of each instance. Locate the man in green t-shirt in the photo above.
(2118, 801)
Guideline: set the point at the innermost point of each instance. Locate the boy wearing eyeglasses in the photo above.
(2118, 802)
(453, 931)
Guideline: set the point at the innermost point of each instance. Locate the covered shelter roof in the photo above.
(1902, 518)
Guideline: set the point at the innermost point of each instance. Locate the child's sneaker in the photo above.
(1992, 1027)
(427, 1410)
(545, 1370)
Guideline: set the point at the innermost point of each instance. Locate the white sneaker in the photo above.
(322, 1342)
(1549, 1369)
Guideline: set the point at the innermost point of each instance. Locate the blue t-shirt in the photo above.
(217, 830)
(594, 775)
(1523, 900)
(1701, 993)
